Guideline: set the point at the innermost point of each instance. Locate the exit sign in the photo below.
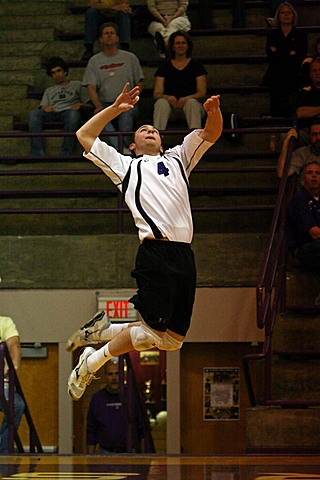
(117, 306)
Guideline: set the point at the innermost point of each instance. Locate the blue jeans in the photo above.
(17, 415)
(125, 124)
(71, 122)
(94, 19)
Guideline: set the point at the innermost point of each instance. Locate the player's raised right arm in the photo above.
(93, 127)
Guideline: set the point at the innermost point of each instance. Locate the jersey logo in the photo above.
(162, 169)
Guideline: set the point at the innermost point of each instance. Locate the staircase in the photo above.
(285, 395)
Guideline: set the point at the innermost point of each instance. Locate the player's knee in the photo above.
(143, 338)
(169, 343)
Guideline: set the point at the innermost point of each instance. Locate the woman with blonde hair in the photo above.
(286, 47)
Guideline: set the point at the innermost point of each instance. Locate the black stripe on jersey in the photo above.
(125, 181)
(194, 154)
(155, 230)
(183, 174)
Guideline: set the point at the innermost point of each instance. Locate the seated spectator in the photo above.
(303, 225)
(107, 418)
(308, 103)
(305, 68)
(61, 102)
(302, 155)
(105, 75)
(169, 17)
(10, 335)
(180, 85)
(286, 47)
(99, 12)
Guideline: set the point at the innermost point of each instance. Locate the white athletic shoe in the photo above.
(80, 376)
(90, 333)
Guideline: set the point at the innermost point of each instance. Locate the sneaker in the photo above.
(159, 41)
(80, 376)
(90, 333)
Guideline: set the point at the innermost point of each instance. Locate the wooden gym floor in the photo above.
(157, 467)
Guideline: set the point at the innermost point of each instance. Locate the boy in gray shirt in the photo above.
(61, 102)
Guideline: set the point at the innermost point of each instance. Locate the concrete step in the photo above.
(13, 92)
(276, 430)
(6, 122)
(296, 378)
(20, 62)
(30, 48)
(297, 331)
(56, 20)
(302, 286)
(26, 34)
(27, 8)
(18, 77)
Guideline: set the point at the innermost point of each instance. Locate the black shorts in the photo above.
(165, 273)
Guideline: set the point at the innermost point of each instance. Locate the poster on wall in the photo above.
(221, 393)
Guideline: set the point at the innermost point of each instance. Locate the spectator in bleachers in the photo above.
(180, 85)
(286, 47)
(308, 103)
(273, 5)
(169, 16)
(105, 75)
(302, 155)
(303, 225)
(62, 102)
(305, 68)
(101, 11)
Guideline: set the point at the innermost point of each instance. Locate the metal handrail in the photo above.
(270, 290)
(8, 406)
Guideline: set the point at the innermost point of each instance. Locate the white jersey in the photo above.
(155, 188)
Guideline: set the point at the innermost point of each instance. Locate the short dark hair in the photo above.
(109, 24)
(179, 33)
(54, 62)
(307, 165)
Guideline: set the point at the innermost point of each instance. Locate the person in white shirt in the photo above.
(156, 189)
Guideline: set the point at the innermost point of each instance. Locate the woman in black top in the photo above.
(286, 48)
(180, 86)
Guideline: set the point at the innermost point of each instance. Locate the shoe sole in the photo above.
(78, 363)
(70, 343)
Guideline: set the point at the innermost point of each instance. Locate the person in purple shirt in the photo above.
(303, 222)
(107, 418)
